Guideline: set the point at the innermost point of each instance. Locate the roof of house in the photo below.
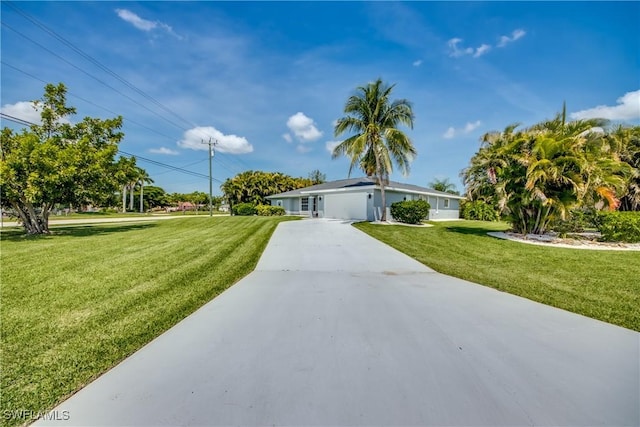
(353, 183)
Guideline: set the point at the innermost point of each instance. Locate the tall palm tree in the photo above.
(143, 178)
(376, 142)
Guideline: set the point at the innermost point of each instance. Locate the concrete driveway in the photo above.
(334, 328)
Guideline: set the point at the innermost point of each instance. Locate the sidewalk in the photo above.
(334, 328)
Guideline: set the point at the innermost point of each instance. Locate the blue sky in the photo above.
(268, 79)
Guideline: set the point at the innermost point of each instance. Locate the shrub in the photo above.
(410, 211)
(478, 210)
(244, 209)
(576, 222)
(619, 226)
(268, 210)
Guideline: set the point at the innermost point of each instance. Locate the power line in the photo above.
(154, 162)
(88, 101)
(223, 164)
(106, 69)
(90, 75)
(96, 62)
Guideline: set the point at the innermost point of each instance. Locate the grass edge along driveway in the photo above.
(603, 285)
(77, 302)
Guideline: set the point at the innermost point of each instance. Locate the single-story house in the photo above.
(360, 199)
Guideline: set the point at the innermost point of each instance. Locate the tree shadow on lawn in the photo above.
(474, 231)
(80, 230)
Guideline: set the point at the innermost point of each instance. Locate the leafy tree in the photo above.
(154, 197)
(317, 177)
(627, 141)
(376, 142)
(539, 174)
(255, 186)
(57, 162)
(443, 185)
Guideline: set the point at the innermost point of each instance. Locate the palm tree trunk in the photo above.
(141, 194)
(124, 198)
(131, 197)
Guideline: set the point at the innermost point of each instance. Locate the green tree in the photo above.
(539, 174)
(255, 186)
(317, 177)
(376, 142)
(443, 185)
(56, 162)
(155, 197)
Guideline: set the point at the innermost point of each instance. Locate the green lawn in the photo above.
(77, 302)
(604, 285)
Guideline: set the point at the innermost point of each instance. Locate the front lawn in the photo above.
(604, 285)
(77, 302)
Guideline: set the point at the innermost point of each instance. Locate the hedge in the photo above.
(619, 226)
(410, 211)
(268, 210)
(478, 210)
(244, 209)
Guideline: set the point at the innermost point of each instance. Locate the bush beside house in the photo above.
(410, 211)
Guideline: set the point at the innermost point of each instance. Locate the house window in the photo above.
(446, 204)
(304, 204)
(279, 203)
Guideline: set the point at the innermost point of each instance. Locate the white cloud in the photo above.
(303, 148)
(515, 35)
(303, 128)
(468, 128)
(27, 111)
(164, 150)
(144, 24)
(330, 145)
(484, 48)
(628, 108)
(22, 110)
(417, 63)
(287, 137)
(450, 133)
(456, 51)
(232, 144)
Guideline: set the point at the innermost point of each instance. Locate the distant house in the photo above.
(360, 199)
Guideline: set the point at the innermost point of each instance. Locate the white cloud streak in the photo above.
(457, 50)
(303, 128)
(164, 150)
(628, 108)
(417, 63)
(231, 144)
(452, 132)
(144, 24)
(484, 48)
(515, 35)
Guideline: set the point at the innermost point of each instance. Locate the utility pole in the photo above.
(211, 154)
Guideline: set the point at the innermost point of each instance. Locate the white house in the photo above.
(360, 199)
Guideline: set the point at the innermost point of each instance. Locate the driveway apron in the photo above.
(334, 328)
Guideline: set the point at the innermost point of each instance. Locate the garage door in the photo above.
(346, 206)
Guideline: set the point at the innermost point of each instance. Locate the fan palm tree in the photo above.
(376, 142)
